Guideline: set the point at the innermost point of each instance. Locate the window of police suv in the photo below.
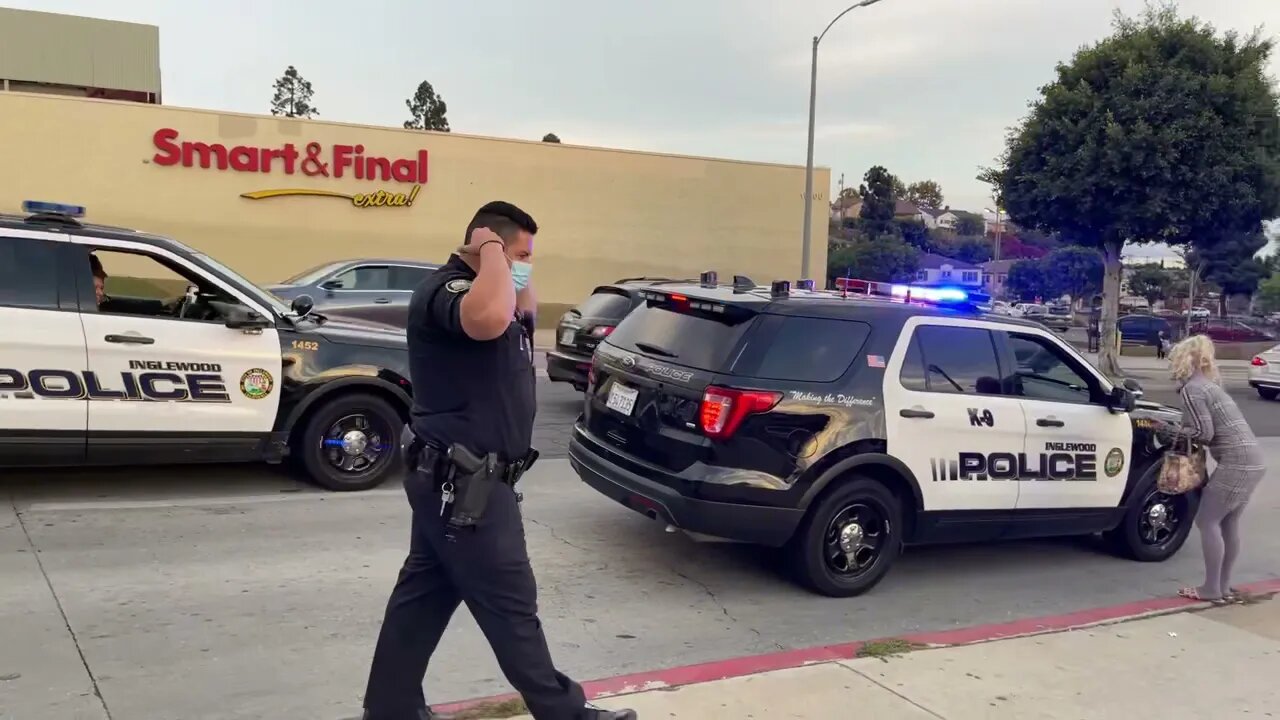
(802, 349)
(947, 359)
(692, 339)
(28, 273)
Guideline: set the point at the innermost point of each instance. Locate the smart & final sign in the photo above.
(313, 161)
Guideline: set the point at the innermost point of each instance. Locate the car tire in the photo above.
(1133, 537)
(809, 549)
(323, 460)
(1268, 393)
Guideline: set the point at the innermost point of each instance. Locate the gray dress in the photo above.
(1212, 418)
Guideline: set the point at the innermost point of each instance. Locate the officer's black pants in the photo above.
(487, 567)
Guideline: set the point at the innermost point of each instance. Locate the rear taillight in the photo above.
(591, 373)
(724, 409)
(601, 331)
(1257, 361)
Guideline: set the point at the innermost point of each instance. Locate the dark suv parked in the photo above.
(582, 328)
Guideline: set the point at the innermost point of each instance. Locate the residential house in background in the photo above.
(849, 206)
(994, 275)
(905, 210)
(935, 219)
(937, 269)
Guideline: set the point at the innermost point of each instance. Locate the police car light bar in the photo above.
(805, 285)
(780, 289)
(708, 279)
(932, 295)
(39, 207)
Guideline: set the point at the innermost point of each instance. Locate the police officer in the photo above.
(471, 364)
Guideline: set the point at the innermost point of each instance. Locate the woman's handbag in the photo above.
(1183, 468)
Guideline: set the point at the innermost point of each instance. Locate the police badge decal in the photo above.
(256, 384)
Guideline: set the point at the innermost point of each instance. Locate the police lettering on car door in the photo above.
(145, 381)
(1059, 461)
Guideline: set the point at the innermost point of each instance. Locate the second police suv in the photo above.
(179, 359)
(842, 426)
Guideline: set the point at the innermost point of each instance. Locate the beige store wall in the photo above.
(604, 214)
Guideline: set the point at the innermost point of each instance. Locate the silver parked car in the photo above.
(356, 283)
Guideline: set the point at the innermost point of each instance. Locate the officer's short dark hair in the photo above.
(96, 266)
(503, 218)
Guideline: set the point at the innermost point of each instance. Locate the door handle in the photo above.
(130, 339)
(382, 301)
(913, 413)
(1050, 422)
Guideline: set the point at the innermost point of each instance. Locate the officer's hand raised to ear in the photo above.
(489, 306)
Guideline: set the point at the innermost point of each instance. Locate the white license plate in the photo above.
(622, 399)
(566, 336)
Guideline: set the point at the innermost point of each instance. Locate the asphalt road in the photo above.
(238, 592)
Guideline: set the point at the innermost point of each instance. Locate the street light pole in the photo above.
(808, 171)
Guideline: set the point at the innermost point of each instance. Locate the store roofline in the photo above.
(258, 116)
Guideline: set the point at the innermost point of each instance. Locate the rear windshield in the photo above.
(605, 304)
(693, 340)
(801, 349)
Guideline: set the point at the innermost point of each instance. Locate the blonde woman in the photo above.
(1210, 417)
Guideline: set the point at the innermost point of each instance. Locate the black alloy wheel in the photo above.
(1155, 524)
(351, 443)
(848, 539)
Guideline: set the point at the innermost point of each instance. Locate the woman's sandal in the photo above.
(1235, 596)
(1191, 593)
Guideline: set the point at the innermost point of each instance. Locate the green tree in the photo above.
(1074, 270)
(884, 259)
(551, 138)
(969, 223)
(1027, 280)
(426, 110)
(925, 193)
(293, 96)
(975, 250)
(1230, 264)
(1151, 282)
(1165, 131)
(878, 201)
(1268, 296)
(914, 233)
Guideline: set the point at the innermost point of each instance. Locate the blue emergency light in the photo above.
(39, 207)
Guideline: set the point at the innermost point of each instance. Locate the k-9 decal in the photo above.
(981, 418)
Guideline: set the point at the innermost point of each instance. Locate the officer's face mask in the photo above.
(520, 272)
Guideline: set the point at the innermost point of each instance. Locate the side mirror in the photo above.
(1133, 386)
(1123, 399)
(331, 285)
(242, 318)
(303, 305)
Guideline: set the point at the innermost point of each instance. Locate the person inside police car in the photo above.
(1211, 417)
(99, 279)
(471, 426)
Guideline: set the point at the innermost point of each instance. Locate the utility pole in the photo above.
(840, 200)
(808, 170)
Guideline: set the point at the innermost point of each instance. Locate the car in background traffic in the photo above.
(581, 329)
(1143, 329)
(1264, 373)
(1227, 331)
(1057, 317)
(1198, 312)
(355, 283)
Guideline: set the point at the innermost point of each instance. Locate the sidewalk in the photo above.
(1219, 662)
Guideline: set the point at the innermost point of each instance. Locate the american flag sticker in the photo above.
(875, 361)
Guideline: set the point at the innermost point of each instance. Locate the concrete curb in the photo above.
(755, 664)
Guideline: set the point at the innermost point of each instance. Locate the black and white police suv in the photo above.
(179, 359)
(842, 426)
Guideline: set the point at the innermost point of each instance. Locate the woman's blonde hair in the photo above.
(1196, 353)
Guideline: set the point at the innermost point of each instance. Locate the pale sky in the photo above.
(924, 87)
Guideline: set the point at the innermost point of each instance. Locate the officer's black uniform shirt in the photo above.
(478, 394)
